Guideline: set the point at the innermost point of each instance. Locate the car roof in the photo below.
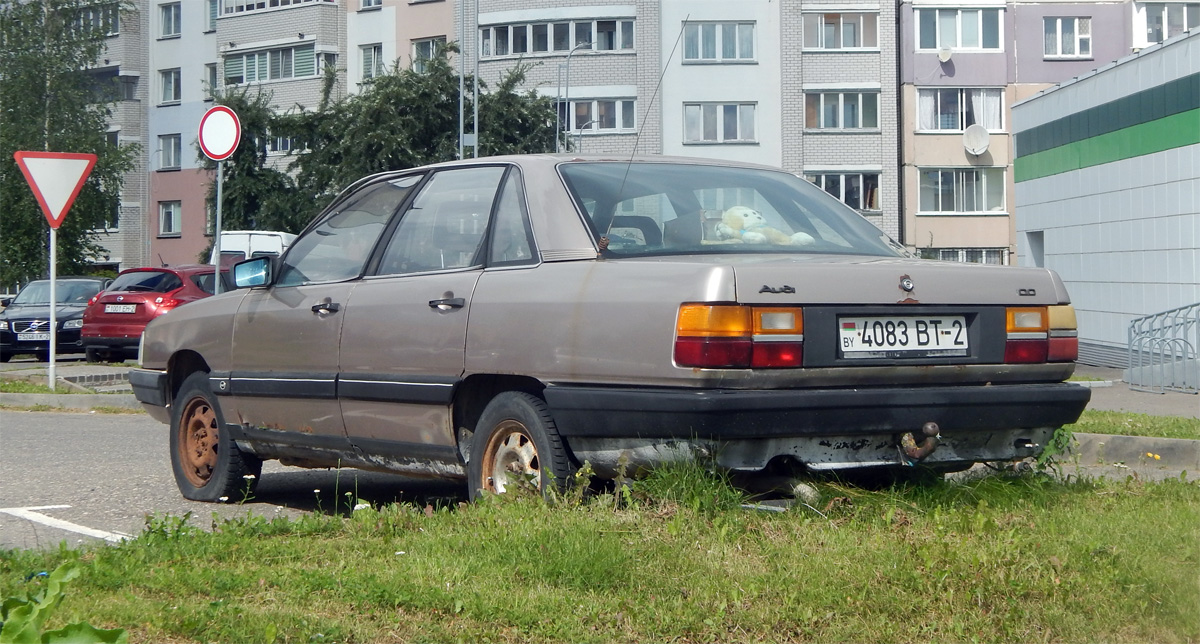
(186, 269)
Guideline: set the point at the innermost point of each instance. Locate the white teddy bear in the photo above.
(750, 226)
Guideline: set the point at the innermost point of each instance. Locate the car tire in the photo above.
(92, 354)
(5, 357)
(208, 466)
(516, 435)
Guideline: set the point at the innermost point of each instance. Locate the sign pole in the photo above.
(220, 133)
(217, 230)
(51, 377)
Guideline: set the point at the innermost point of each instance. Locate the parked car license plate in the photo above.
(33, 337)
(880, 336)
(120, 308)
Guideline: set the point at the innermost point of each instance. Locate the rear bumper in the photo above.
(67, 342)
(726, 415)
(111, 343)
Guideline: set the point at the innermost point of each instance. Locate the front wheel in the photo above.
(516, 443)
(208, 465)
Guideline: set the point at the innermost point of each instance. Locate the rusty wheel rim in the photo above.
(511, 456)
(198, 441)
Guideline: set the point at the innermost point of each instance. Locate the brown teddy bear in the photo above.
(748, 225)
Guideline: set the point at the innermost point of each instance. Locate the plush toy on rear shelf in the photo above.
(748, 225)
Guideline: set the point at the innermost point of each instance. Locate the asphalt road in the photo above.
(79, 477)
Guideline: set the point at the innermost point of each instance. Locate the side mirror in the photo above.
(5, 302)
(259, 271)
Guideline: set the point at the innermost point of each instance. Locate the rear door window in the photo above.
(147, 281)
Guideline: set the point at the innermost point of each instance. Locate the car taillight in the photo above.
(1041, 334)
(94, 299)
(166, 303)
(735, 336)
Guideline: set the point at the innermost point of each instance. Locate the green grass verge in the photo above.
(996, 560)
(15, 386)
(1128, 424)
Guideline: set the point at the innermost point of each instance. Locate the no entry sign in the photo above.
(220, 131)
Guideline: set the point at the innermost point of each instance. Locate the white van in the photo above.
(237, 245)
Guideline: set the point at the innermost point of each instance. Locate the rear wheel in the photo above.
(5, 357)
(515, 444)
(208, 465)
(93, 354)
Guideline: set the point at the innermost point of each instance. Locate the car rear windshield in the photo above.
(146, 281)
(663, 208)
(66, 292)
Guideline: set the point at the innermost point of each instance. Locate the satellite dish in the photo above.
(975, 139)
(944, 54)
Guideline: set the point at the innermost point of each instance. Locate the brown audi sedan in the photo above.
(515, 317)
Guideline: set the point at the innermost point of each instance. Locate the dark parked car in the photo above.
(115, 318)
(25, 321)
(511, 317)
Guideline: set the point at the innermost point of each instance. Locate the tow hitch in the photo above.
(911, 452)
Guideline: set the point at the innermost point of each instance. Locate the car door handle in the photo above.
(448, 303)
(326, 307)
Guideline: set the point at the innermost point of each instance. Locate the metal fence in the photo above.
(1163, 351)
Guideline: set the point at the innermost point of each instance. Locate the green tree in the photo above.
(49, 100)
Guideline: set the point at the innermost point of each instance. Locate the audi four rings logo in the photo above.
(906, 283)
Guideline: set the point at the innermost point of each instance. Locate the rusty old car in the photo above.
(492, 319)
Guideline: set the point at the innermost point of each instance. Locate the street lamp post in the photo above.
(565, 97)
(579, 136)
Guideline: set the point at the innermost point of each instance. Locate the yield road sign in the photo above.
(56, 179)
(220, 132)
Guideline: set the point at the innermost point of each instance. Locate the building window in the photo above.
(279, 144)
(858, 190)
(372, 60)
(210, 81)
(424, 50)
(556, 37)
(128, 87)
(170, 85)
(169, 151)
(171, 14)
(600, 115)
(718, 41)
(841, 110)
(973, 255)
(241, 6)
(962, 190)
(170, 219)
(958, 29)
(718, 122)
(956, 109)
(370, 4)
(1165, 20)
(1067, 37)
(274, 64)
(841, 31)
(213, 12)
(104, 17)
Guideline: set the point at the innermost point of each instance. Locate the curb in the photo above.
(71, 401)
(1101, 449)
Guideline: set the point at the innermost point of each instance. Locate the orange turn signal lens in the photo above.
(1027, 319)
(714, 320)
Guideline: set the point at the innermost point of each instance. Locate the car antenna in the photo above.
(637, 139)
(161, 260)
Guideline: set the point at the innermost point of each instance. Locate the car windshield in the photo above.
(67, 292)
(663, 208)
(149, 281)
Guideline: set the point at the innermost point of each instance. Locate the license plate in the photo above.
(903, 336)
(33, 337)
(120, 308)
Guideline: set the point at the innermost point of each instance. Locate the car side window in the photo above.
(338, 247)
(444, 227)
(512, 238)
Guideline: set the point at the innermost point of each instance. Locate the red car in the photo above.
(115, 317)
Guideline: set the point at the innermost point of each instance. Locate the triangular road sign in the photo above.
(56, 179)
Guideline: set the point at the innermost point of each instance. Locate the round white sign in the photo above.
(220, 132)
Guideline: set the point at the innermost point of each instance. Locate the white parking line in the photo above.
(29, 514)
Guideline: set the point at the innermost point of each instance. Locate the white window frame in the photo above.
(170, 219)
(421, 58)
(210, 19)
(862, 202)
(699, 117)
(967, 188)
(966, 21)
(576, 32)
(372, 60)
(170, 148)
(107, 16)
(370, 4)
(624, 115)
(820, 99)
(242, 6)
(1184, 14)
(171, 19)
(1056, 38)
(709, 42)
(171, 90)
(967, 255)
(213, 79)
(819, 36)
(963, 98)
(277, 64)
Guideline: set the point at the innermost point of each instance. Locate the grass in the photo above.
(1129, 424)
(17, 386)
(1003, 559)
